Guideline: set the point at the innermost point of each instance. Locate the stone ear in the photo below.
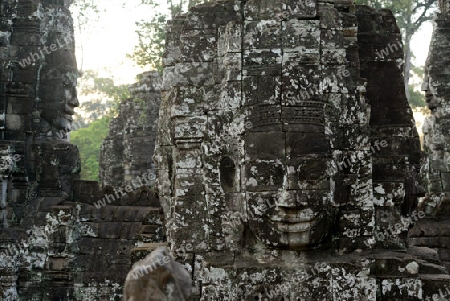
(227, 170)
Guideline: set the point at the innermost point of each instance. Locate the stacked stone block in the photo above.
(57, 242)
(436, 128)
(432, 231)
(395, 167)
(276, 111)
(128, 150)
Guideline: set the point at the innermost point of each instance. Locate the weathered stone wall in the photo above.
(396, 166)
(286, 142)
(287, 159)
(128, 150)
(437, 126)
(433, 231)
(37, 95)
(60, 238)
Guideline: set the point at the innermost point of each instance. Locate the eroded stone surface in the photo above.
(437, 126)
(284, 142)
(432, 231)
(60, 238)
(128, 150)
(324, 216)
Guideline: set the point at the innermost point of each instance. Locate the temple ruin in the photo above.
(61, 238)
(137, 124)
(287, 160)
(287, 154)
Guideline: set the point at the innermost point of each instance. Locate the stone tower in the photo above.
(437, 126)
(287, 153)
(432, 231)
(128, 150)
(60, 238)
(37, 101)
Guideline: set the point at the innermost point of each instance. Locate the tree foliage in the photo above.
(91, 124)
(410, 14)
(89, 141)
(149, 51)
(85, 14)
(416, 98)
(101, 97)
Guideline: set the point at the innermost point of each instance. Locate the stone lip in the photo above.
(292, 273)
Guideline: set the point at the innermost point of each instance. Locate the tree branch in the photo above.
(423, 17)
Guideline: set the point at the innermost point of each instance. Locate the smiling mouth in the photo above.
(69, 110)
(291, 227)
(294, 221)
(68, 117)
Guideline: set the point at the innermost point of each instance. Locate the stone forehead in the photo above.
(60, 66)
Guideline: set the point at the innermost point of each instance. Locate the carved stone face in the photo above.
(287, 183)
(70, 102)
(58, 95)
(430, 96)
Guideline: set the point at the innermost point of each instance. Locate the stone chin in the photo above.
(291, 219)
(63, 122)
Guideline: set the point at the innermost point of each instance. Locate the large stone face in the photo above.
(60, 238)
(280, 111)
(286, 141)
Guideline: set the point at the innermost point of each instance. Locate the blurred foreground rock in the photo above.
(158, 277)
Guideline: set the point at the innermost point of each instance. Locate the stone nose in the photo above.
(425, 86)
(71, 97)
(289, 199)
(74, 101)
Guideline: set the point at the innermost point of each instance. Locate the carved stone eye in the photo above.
(227, 173)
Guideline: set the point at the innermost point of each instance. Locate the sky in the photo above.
(421, 42)
(107, 41)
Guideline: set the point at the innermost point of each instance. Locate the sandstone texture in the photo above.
(432, 231)
(57, 242)
(128, 150)
(158, 277)
(287, 154)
